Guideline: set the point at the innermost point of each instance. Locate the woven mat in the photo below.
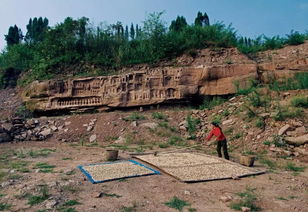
(104, 172)
(195, 167)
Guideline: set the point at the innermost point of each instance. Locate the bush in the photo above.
(299, 81)
(287, 112)
(248, 199)
(300, 101)
(211, 102)
(158, 115)
(260, 123)
(295, 38)
(253, 84)
(176, 140)
(177, 203)
(192, 124)
(134, 117)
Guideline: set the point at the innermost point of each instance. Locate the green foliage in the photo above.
(36, 30)
(300, 81)
(14, 36)
(260, 123)
(45, 167)
(37, 199)
(295, 38)
(176, 140)
(284, 113)
(192, 124)
(292, 167)
(158, 115)
(211, 102)
(71, 203)
(177, 203)
(23, 112)
(300, 101)
(248, 199)
(134, 117)
(269, 163)
(267, 143)
(4, 206)
(68, 210)
(178, 24)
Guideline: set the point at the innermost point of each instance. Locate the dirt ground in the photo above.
(277, 190)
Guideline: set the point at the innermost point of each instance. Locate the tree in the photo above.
(178, 24)
(36, 30)
(14, 36)
(126, 34)
(132, 31)
(154, 26)
(202, 20)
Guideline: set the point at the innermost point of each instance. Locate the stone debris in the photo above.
(284, 129)
(92, 138)
(151, 125)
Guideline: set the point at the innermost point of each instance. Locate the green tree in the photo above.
(132, 31)
(36, 30)
(14, 36)
(202, 20)
(178, 24)
(126, 33)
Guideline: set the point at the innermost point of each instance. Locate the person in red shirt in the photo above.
(221, 140)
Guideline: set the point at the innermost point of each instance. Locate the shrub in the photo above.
(4, 206)
(34, 200)
(211, 102)
(260, 123)
(300, 101)
(299, 81)
(295, 38)
(176, 140)
(177, 203)
(284, 113)
(134, 117)
(248, 199)
(292, 167)
(192, 124)
(158, 115)
(253, 84)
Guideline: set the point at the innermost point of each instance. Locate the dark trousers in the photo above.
(222, 144)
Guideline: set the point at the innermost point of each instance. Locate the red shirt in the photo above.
(218, 133)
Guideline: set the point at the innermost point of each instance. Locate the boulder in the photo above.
(284, 129)
(151, 125)
(297, 141)
(230, 121)
(92, 138)
(4, 137)
(46, 133)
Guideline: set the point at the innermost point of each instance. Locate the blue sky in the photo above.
(249, 17)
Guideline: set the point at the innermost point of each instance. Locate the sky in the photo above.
(249, 17)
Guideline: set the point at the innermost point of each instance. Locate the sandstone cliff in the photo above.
(211, 72)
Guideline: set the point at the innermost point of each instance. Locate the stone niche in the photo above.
(145, 86)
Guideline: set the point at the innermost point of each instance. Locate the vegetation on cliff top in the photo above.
(76, 48)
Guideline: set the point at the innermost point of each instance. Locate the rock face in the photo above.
(213, 72)
(282, 63)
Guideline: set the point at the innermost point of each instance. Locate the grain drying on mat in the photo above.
(196, 167)
(102, 172)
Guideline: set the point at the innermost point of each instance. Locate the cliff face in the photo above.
(282, 63)
(212, 72)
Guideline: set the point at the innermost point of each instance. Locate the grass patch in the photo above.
(248, 199)
(163, 145)
(300, 81)
(160, 116)
(68, 210)
(300, 101)
(134, 117)
(37, 199)
(70, 188)
(292, 167)
(71, 203)
(45, 167)
(211, 102)
(176, 141)
(177, 204)
(284, 113)
(67, 158)
(112, 195)
(269, 163)
(4, 206)
(260, 123)
(192, 124)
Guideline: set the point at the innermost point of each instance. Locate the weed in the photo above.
(299, 81)
(278, 141)
(260, 123)
(269, 163)
(236, 136)
(134, 117)
(4, 206)
(229, 131)
(177, 203)
(129, 209)
(192, 124)
(192, 209)
(216, 119)
(2, 195)
(211, 102)
(176, 140)
(111, 138)
(163, 124)
(281, 198)
(71, 203)
(163, 145)
(67, 158)
(247, 90)
(158, 115)
(267, 143)
(225, 113)
(112, 195)
(300, 101)
(45, 167)
(292, 167)
(44, 195)
(248, 199)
